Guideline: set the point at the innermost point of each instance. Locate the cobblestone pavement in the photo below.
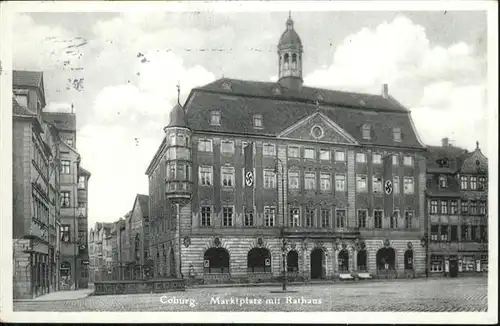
(433, 295)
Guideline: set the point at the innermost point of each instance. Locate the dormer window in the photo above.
(443, 182)
(226, 85)
(366, 131)
(22, 100)
(257, 120)
(215, 118)
(396, 134)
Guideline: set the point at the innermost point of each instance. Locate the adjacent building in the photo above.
(254, 177)
(457, 206)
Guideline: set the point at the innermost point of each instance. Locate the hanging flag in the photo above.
(388, 187)
(249, 178)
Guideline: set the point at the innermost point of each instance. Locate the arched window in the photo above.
(216, 260)
(386, 259)
(294, 61)
(292, 261)
(361, 260)
(286, 60)
(259, 260)
(409, 259)
(343, 260)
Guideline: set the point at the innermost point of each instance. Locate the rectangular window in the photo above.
(463, 182)
(396, 185)
(443, 181)
(377, 159)
(295, 217)
(257, 120)
(227, 177)
(408, 185)
(474, 233)
(268, 150)
(377, 185)
(206, 216)
(453, 207)
(22, 100)
(204, 145)
(482, 183)
(324, 154)
(408, 219)
(248, 217)
(473, 183)
(340, 182)
(484, 233)
(325, 183)
(362, 218)
(310, 215)
(293, 152)
(65, 167)
(81, 182)
(269, 216)
(69, 141)
(361, 184)
(325, 218)
(269, 179)
(65, 234)
(227, 147)
(243, 145)
(215, 118)
(434, 232)
(465, 207)
(395, 160)
(65, 202)
(227, 216)
(309, 153)
(444, 207)
(394, 219)
(465, 232)
(444, 232)
(361, 157)
(454, 233)
(340, 218)
(473, 207)
(366, 132)
(396, 134)
(293, 179)
(408, 161)
(340, 156)
(310, 180)
(482, 208)
(206, 175)
(377, 215)
(434, 207)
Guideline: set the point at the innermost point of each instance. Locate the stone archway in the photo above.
(361, 260)
(409, 259)
(343, 260)
(292, 261)
(216, 260)
(386, 259)
(317, 263)
(259, 260)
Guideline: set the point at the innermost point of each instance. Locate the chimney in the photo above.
(385, 91)
(445, 142)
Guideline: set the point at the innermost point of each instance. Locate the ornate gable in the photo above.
(476, 163)
(318, 127)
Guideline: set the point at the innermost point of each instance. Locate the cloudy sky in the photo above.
(126, 66)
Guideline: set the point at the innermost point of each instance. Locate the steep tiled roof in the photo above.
(282, 111)
(20, 110)
(84, 172)
(61, 120)
(143, 201)
(21, 78)
(454, 155)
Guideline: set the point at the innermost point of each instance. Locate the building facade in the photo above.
(35, 162)
(457, 200)
(252, 178)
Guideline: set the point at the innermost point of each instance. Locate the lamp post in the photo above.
(277, 161)
(424, 242)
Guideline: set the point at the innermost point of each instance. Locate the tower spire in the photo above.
(178, 92)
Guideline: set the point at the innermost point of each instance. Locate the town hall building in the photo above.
(254, 178)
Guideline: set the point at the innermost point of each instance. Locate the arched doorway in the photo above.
(317, 262)
(362, 261)
(259, 260)
(409, 259)
(292, 261)
(386, 259)
(343, 260)
(216, 260)
(173, 271)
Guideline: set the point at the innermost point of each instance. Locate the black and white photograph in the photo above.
(269, 158)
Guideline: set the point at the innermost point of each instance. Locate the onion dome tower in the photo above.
(290, 58)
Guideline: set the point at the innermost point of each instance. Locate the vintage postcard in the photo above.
(249, 161)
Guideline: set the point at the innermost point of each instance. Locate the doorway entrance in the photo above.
(317, 262)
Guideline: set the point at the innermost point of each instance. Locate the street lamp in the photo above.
(424, 242)
(282, 231)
